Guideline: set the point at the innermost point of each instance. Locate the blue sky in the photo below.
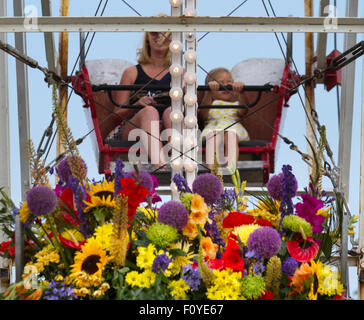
(233, 47)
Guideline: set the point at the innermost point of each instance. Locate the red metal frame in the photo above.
(82, 86)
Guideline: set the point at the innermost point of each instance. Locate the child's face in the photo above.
(223, 78)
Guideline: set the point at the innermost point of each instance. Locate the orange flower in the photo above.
(199, 210)
(301, 276)
(190, 230)
(36, 295)
(209, 248)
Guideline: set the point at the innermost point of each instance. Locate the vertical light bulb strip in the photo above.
(176, 97)
(190, 159)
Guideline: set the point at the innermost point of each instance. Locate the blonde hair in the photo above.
(214, 72)
(143, 54)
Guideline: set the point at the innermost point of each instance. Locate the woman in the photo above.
(152, 68)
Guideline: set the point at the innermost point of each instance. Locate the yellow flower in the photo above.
(91, 260)
(179, 288)
(149, 213)
(131, 278)
(146, 256)
(103, 234)
(24, 212)
(225, 286)
(268, 212)
(244, 231)
(181, 261)
(102, 195)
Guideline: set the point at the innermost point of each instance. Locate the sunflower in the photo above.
(101, 195)
(91, 260)
(316, 273)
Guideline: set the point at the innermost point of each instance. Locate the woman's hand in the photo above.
(146, 101)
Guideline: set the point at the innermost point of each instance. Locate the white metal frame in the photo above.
(183, 24)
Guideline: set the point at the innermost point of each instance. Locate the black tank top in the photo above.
(161, 97)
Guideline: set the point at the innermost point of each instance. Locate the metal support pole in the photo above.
(49, 37)
(309, 85)
(361, 198)
(24, 136)
(4, 135)
(345, 136)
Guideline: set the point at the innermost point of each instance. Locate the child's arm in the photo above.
(242, 97)
(207, 100)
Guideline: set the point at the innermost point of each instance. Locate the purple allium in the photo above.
(181, 183)
(289, 266)
(274, 186)
(174, 214)
(144, 178)
(265, 241)
(192, 277)
(41, 200)
(208, 186)
(64, 171)
(161, 263)
(308, 209)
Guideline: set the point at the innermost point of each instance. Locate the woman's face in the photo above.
(159, 41)
(223, 78)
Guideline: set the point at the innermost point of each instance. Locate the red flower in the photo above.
(135, 193)
(264, 223)
(70, 243)
(216, 264)
(5, 248)
(67, 203)
(266, 295)
(234, 219)
(303, 254)
(231, 257)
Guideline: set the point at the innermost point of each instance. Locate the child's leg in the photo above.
(231, 145)
(214, 141)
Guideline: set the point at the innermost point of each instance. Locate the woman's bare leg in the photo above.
(147, 119)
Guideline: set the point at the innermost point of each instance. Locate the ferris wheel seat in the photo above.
(256, 157)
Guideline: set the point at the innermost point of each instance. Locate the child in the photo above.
(216, 120)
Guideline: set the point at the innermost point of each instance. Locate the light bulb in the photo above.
(175, 46)
(190, 36)
(176, 164)
(190, 78)
(190, 56)
(189, 12)
(176, 141)
(175, 3)
(176, 93)
(176, 116)
(175, 69)
(190, 121)
(190, 165)
(190, 99)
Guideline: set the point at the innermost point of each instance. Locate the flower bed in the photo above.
(115, 240)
